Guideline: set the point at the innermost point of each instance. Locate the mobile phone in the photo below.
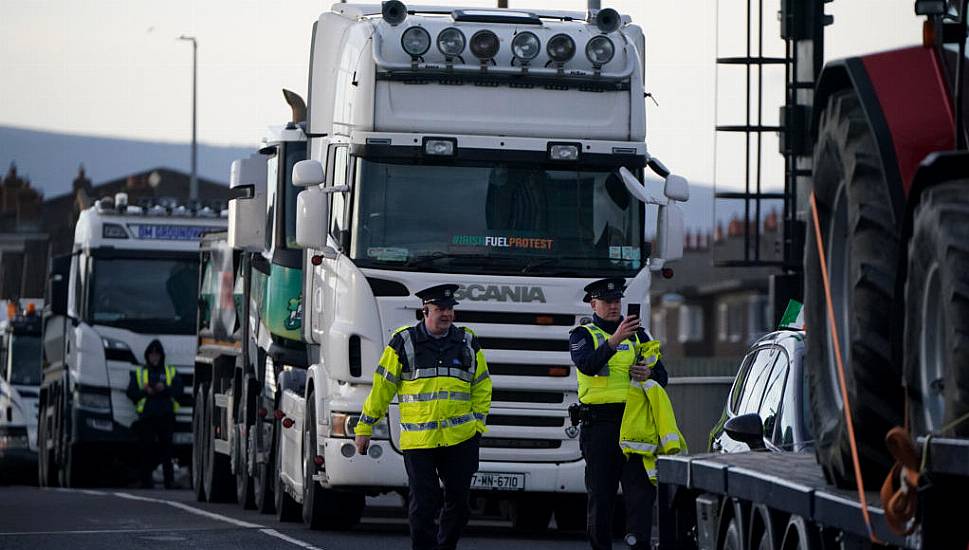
(632, 309)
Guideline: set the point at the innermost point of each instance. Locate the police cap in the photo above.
(605, 289)
(440, 295)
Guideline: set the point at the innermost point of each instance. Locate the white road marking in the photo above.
(100, 532)
(291, 540)
(181, 506)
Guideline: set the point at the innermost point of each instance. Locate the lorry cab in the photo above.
(20, 375)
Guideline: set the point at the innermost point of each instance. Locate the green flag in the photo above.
(793, 317)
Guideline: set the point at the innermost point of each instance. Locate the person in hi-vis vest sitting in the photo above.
(153, 389)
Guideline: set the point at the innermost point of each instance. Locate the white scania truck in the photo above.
(130, 279)
(499, 150)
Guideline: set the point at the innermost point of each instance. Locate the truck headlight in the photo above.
(560, 48)
(450, 42)
(116, 350)
(600, 50)
(343, 424)
(525, 46)
(484, 45)
(415, 41)
(94, 401)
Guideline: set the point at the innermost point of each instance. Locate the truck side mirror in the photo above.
(669, 233)
(677, 188)
(307, 173)
(746, 428)
(58, 281)
(312, 213)
(247, 203)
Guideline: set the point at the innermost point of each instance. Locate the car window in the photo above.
(756, 380)
(737, 391)
(770, 405)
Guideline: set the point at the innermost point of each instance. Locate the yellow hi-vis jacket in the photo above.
(141, 376)
(612, 383)
(648, 424)
(440, 405)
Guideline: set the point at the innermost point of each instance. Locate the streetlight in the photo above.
(193, 185)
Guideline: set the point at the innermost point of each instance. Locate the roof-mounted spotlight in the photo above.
(484, 45)
(450, 42)
(560, 48)
(393, 12)
(608, 20)
(600, 50)
(415, 41)
(525, 46)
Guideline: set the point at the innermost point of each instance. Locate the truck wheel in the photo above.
(240, 452)
(287, 509)
(530, 514)
(322, 508)
(800, 535)
(262, 472)
(217, 480)
(861, 237)
(46, 472)
(937, 311)
(199, 442)
(74, 471)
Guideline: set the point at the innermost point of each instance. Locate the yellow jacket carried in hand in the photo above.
(443, 388)
(648, 423)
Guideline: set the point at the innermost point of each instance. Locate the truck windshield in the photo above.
(495, 217)
(145, 295)
(25, 367)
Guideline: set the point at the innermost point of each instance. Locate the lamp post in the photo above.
(193, 185)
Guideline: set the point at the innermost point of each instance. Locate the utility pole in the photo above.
(193, 185)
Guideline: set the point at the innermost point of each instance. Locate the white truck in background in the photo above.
(501, 150)
(20, 375)
(130, 279)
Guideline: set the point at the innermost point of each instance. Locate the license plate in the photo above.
(498, 481)
(182, 438)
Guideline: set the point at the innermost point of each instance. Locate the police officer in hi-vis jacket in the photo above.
(605, 352)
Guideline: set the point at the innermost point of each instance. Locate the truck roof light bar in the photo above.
(599, 51)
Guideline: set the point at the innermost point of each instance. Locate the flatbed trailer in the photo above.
(782, 500)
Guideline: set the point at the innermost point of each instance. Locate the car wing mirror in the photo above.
(746, 428)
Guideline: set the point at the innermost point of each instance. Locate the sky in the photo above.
(115, 68)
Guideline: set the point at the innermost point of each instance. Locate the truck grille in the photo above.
(524, 344)
(525, 396)
(520, 420)
(509, 443)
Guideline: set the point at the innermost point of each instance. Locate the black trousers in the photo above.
(155, 445)
(453, 466)
(605, 468)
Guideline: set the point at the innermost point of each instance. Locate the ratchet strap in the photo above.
(841, 372)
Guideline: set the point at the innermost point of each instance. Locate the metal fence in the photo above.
(698, 389)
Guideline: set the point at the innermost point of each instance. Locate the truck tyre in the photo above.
(287, 509)
(46, 470)
(242, 425)
(74, 471)
(262, 472)
(530, 513)
(731, 536)
(199, 442)
(323, 508)
(800, 535)
(860, 233)
(217, 480)
(937, 311)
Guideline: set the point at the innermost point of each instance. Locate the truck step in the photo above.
(222, 446)
(221, 400)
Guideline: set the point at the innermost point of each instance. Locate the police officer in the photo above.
(605, 353)
(440, 377)
(153, 388)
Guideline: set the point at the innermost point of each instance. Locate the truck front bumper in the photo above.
(346, 469)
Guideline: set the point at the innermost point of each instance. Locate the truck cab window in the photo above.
(338, 200)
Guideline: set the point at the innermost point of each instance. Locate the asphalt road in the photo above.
(35, 519)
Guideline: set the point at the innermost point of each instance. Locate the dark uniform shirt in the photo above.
(160, 403)
(590, 359)
(432, 351)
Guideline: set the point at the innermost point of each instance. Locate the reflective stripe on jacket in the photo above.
(440, 405)
(612, 384)
(648, 423)
(141, 376)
